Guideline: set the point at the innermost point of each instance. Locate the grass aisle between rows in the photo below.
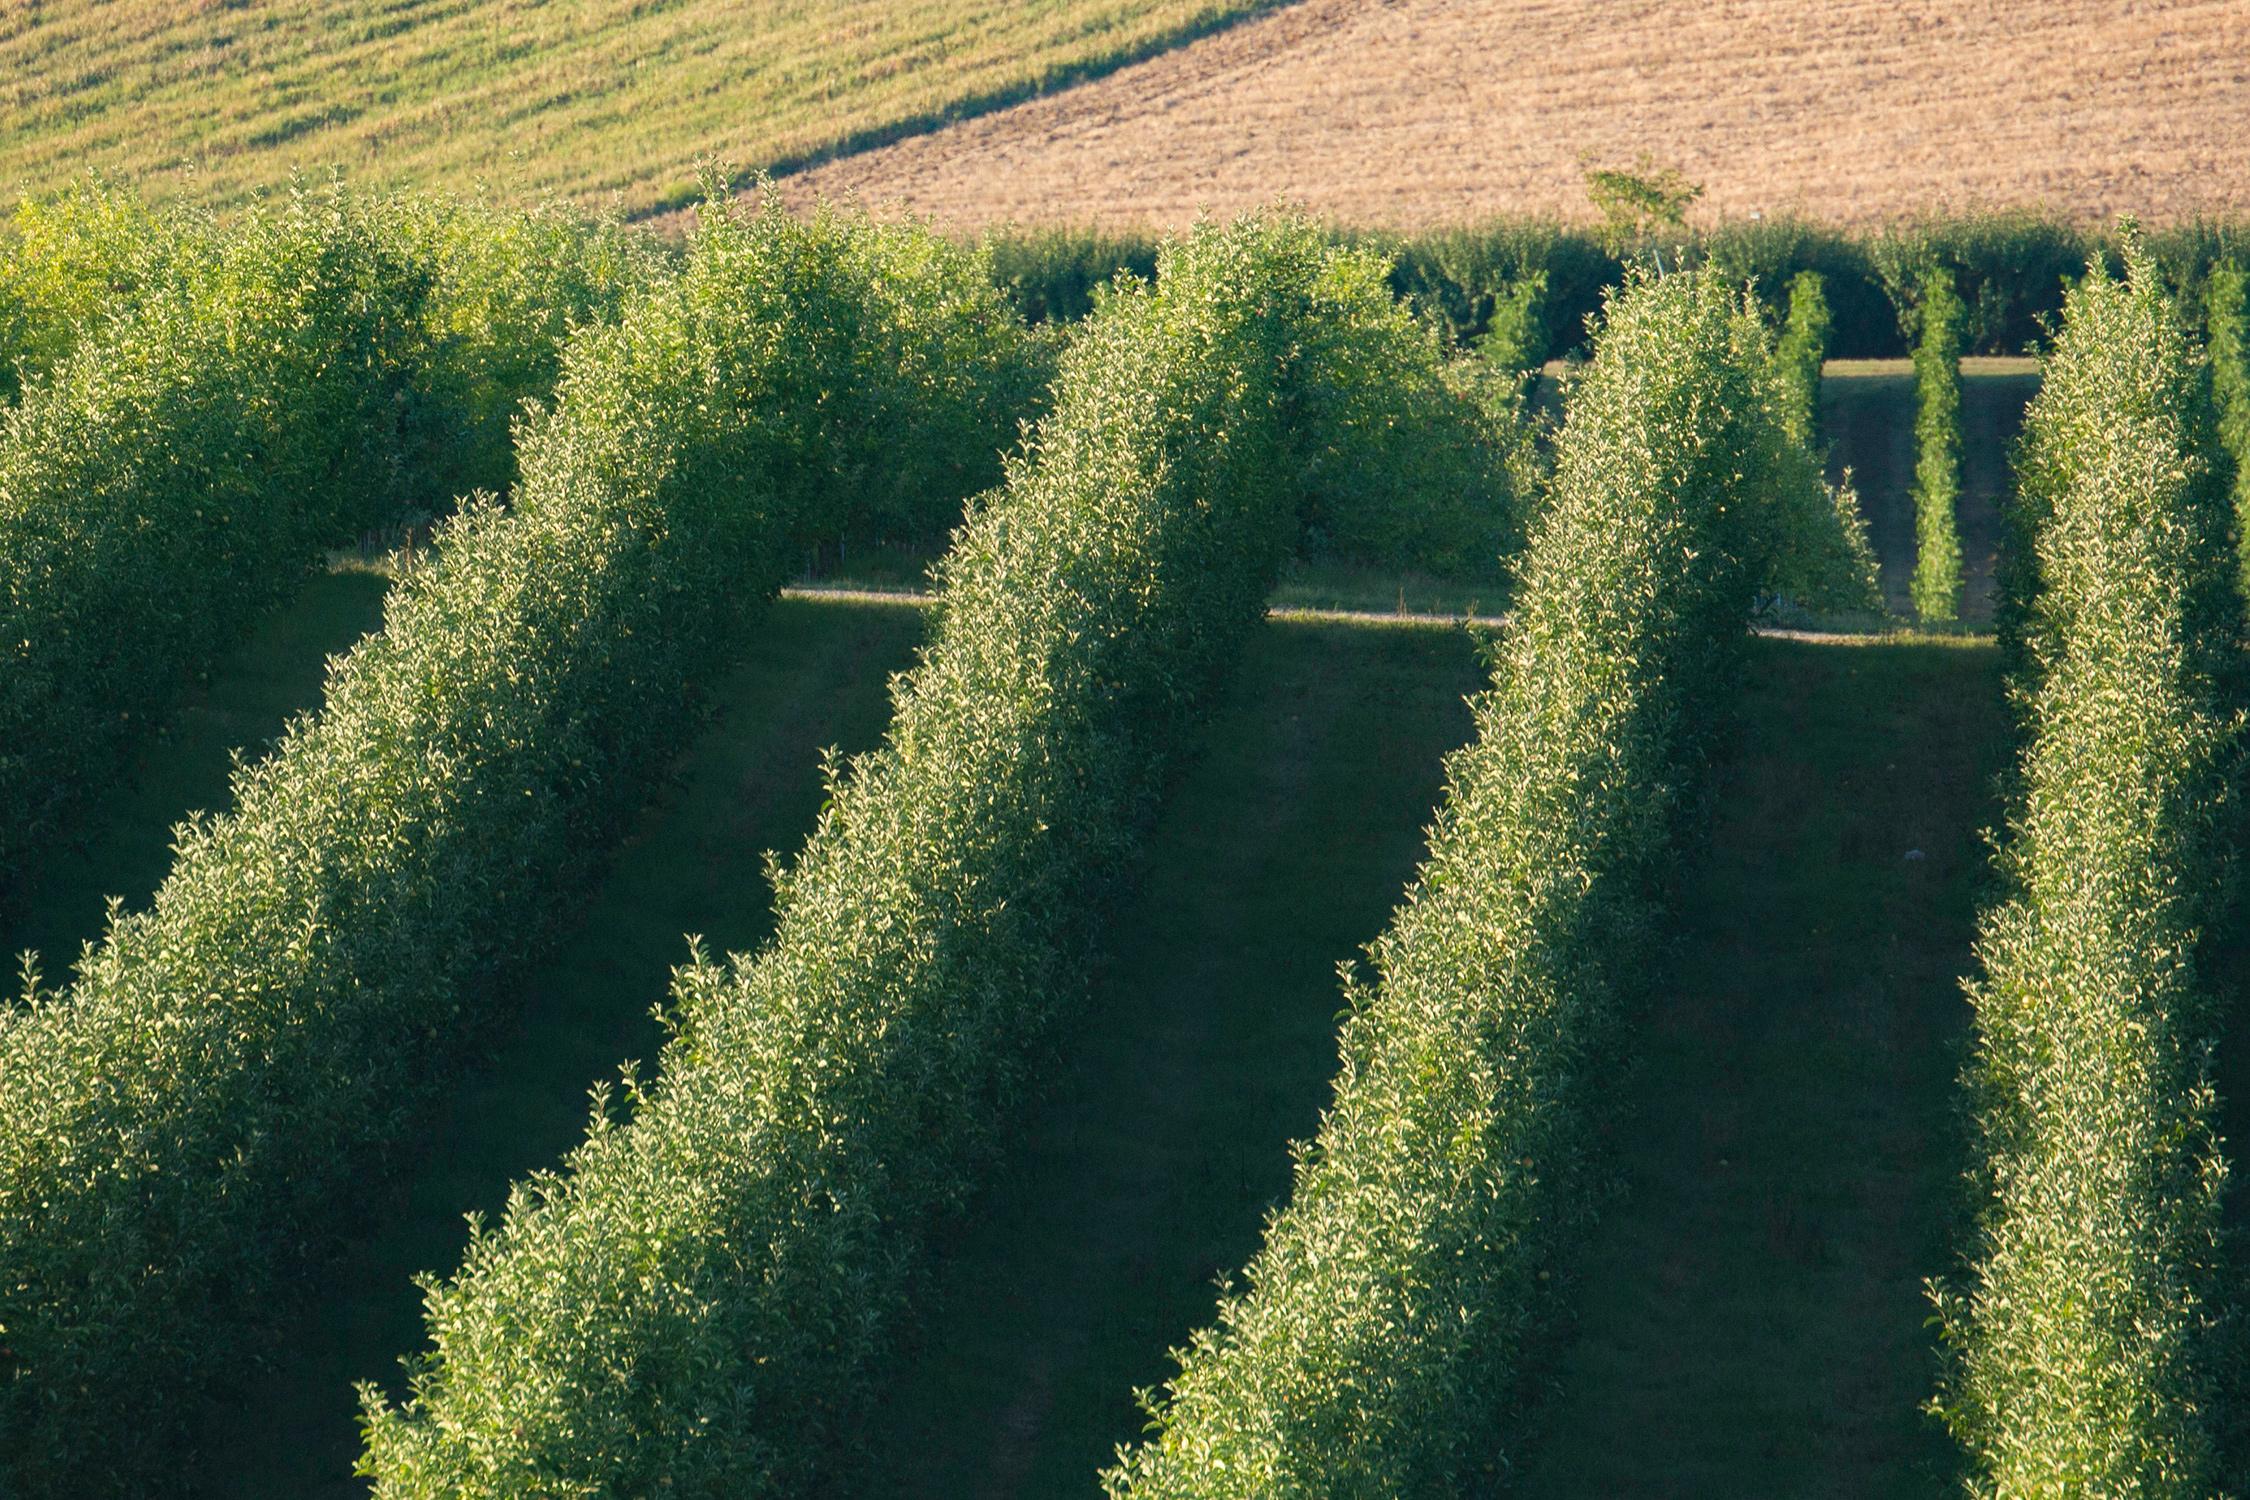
(1750, 1315)
(122, 845)
(1209, 1042)
(815, 675)
(1867, 419)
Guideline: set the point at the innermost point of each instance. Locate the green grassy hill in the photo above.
(597, 100)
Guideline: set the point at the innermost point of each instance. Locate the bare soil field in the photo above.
(1409, 113)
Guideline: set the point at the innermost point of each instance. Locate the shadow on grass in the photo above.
(1749, 1315)
(816, 675)
(121, 845)
(1208, 1043)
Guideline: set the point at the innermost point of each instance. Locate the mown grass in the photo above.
(1867, 420)
(607, 103)
(1750, 1316)
(1208, 1044)
(122, 845)
(816, 676)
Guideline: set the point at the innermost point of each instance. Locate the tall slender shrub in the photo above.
(186, 1125)
(1936, 588)
(2227, 329)
(693, 1305)
(1369, 1350)
(1799, 353)
(2087, 1334)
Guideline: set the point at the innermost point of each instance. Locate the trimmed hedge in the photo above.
(1800, 351)
(179, 471)
(1370, 1350)
(2088, 1334)
(693, 1306)
(182, 1128)
(2011, 268)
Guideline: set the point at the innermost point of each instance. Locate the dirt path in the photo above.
(1411, 112)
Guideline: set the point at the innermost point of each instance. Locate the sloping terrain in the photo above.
(593, 99)
(1414, 112)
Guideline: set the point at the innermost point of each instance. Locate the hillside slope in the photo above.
(596, 99)
(1412, 112)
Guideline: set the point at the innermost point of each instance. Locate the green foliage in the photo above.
(1370, 1350)
(1643, 209)
(2227, 330)
(72, 261)
(2008, 270)
(1412, 456)
(1515, 335)
(1467, 276)
(693, 1305)
(1936, 589)
(214, 403)
(960, 357)
(1815, 542)
(1420, 450)
(2189, 254)
(180, 469)
(187, 1124)
(1769, 254)
(509, 286)
(1802, 347)
(1052, 274)
(2087, 1335)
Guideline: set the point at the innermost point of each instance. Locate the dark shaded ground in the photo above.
(1209, 1043)
(122, 844)
(816, 676)
(1750, 1314)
